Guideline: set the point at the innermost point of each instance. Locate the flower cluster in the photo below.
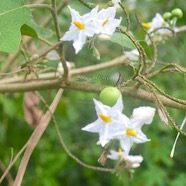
(112, 124)
(94, 22)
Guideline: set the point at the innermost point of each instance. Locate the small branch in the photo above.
(35, 137)
(8, 175)
(145, 80)
(31, 6)
(60, 51)
(13, 162)
(57, 83)
(56, 24)
(127, 16)
(180, 29)
(73, 72)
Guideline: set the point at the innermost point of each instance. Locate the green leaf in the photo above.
(13, 15)
(28, 31)
(122, 40)
(145, 47)
(34, 30)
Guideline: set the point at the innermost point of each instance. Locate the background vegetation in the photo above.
(49, 164)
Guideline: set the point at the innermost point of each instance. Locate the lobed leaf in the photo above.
(13, 14)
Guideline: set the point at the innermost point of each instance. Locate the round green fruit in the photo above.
(109, 96)
(177, 12)
(167, 16)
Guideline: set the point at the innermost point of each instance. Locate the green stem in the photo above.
(54, 14)
(140, 50)
(32, 6)
(161, 91)
(60, 50)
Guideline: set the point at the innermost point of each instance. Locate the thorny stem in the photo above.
(160, 105)
(154, 46)
(127, 16)
(165, 68)
(161, 91)
(140, 50)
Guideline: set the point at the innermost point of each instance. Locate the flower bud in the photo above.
(167, 16)
(177, 12)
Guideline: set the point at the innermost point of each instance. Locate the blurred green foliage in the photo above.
(51, 166)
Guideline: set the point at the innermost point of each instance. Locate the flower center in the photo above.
(131, 132)
(104, 23)
(164, 23)
(79, 25)
(146, 25)
(105, 118)
(120, 153)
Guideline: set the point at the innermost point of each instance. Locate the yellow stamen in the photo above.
(79, 25)
(120, 150)
(104, 23)
(105, 118)
(120, 153)
(146, 25)
(131, 132)
(164, 23)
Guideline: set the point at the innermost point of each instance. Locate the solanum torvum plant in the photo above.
(38, 63)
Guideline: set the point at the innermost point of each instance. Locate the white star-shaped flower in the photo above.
(158, 28)
(107, 121)
(142, 115)
(158, 22)
(131, 161)
(81, 28)
(130, 131)
(107, 20)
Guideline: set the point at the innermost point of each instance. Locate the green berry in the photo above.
(167, 16)
(177, 13)
(109, 96)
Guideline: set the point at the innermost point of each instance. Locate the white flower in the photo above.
(134, 161)
(81, 28)
(107, 121)
(142, 115)
(107, 21)
(117, 155)
(131, 161)
(129, 133)
(158, 22)
(156, 28)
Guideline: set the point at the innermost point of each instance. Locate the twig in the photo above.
(174, 145)
(36, 135)
(13, 162)
(65, 146)
(8, 175)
